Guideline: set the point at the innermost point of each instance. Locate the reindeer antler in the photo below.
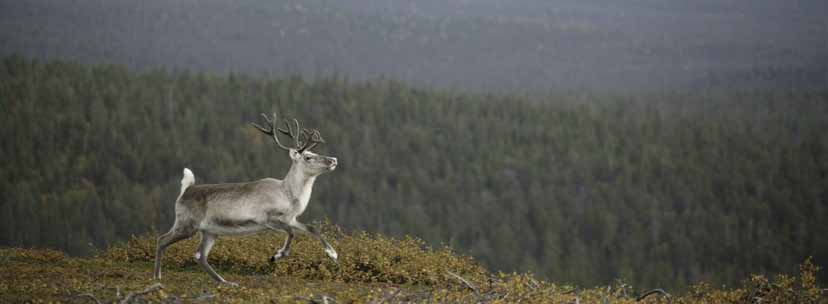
(312, 138)
(271, 129)
(305, 139)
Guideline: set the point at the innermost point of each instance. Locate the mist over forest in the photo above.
(480, 45)
(651, 141)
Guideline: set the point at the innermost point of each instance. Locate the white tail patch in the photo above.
(187, 180)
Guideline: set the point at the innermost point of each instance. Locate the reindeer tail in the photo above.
(187, 180)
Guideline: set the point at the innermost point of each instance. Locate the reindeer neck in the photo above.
(298, 185)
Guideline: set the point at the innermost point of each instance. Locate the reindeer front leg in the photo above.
(285, 250)
(315, 232)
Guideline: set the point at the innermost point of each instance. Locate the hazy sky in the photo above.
(514, 44)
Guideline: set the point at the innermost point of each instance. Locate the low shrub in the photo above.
(363, 257)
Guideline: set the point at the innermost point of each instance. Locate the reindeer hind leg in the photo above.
(175, 234)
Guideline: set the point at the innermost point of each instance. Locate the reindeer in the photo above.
(244, 208)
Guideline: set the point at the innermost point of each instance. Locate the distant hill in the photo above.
(488, 45)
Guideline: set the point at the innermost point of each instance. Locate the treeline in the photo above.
(659, 190)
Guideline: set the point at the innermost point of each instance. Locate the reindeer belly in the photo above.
(231, 226)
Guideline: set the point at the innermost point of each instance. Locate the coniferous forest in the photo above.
(659, 189)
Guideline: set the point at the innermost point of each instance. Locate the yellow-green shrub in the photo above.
(363, 257)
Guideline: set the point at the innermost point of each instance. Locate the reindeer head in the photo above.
(303, 159)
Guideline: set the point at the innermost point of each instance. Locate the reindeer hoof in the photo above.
(331, 253)
(278, 256)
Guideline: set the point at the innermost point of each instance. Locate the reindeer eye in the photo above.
(307, 158)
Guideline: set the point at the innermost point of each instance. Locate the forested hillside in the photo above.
(658, 189)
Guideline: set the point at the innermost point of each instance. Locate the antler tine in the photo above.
(316, 136)
(297, 136)
(286, 132)
(305, 139)
(291, 132)
(271, 129)
(266, 131)
(312, 138)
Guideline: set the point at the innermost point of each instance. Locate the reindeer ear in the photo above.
(294, 154)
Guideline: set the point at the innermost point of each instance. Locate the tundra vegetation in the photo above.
(657, 190)
(376, 269)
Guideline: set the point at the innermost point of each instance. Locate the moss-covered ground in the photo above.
(371, 269)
